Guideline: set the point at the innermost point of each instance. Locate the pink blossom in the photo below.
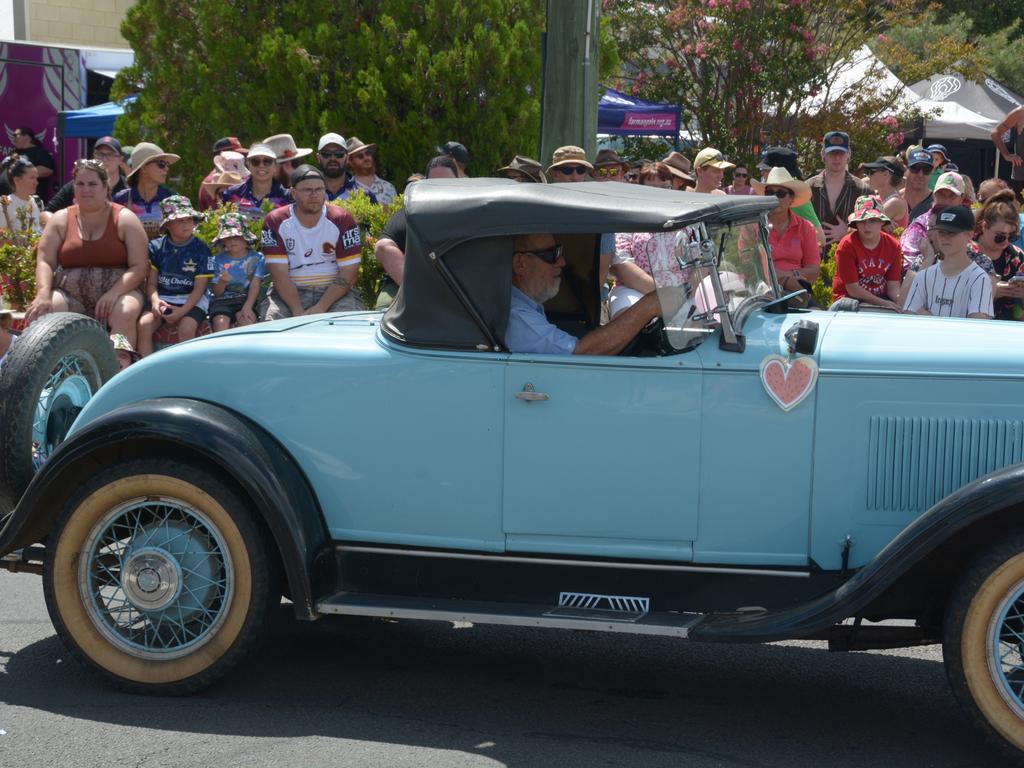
(883, 38)
(701, 50)
(712, 3)
(736, 44)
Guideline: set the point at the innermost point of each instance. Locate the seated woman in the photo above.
(101, 250)
(19, 211)
(147, 185)
(793, 242)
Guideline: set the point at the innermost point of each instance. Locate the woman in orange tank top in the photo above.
(92, 257)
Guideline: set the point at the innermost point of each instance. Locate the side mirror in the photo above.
(802, 337)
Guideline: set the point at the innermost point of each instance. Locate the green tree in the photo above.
(406, 75)
(987, 17)
(750, 72)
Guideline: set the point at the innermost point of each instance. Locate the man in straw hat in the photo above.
(792, 239)
(147, 185)
(710, 165)
(524, 169)
(287, 154)
(362, 160)
(681, 169)
(869, 265)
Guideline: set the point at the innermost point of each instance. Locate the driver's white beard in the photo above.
(548, 291)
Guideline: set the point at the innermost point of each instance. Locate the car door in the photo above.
(601, 455)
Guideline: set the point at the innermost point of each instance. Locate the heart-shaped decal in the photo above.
(788, 382)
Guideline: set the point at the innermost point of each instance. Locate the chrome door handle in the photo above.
(529, 395)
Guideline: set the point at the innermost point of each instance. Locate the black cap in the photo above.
(455, 150)
(780, 157)
(884, 163)
(304, 172)
(956, 218)
(228, 142)
(108, 141)
(835, 140)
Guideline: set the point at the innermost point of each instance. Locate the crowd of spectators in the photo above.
(118, 242)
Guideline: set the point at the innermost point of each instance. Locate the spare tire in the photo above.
(51, 372)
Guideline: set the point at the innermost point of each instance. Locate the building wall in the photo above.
(95, 23)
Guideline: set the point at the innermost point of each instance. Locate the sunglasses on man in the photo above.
(608, 173)
(569, 170)
(550, 256)
(328, 154)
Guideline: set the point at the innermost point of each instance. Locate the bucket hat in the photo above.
(780, 177)
(866, 208)
(121, 344)
(225, 179)
(527, 166)
(233, 225)
(178, 207)
(569, 155)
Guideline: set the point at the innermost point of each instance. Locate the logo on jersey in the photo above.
(189, 266)
(289, 243)
(350, 238)
(268, 238)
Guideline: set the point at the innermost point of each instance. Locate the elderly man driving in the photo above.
(536, 275)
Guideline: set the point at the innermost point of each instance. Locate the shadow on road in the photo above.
(577, 698)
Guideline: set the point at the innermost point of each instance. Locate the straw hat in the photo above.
(144, 153)
(779, 177)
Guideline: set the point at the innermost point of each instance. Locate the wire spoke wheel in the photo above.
(68, 388)
(1006, 657)
(159, 577)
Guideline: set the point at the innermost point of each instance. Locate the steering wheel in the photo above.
(649, 342)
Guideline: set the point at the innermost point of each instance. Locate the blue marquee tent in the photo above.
(623, 115)
(91, 122)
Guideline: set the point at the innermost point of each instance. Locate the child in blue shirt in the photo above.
(179, 271)
(238, 272)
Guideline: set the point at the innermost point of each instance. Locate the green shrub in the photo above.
(18, 263)
(371, 219)
(822, 287)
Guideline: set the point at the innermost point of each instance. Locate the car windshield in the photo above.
(687, 267)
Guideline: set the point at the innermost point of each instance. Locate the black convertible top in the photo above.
(457, 281)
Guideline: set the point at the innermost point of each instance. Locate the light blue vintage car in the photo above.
(745, 472)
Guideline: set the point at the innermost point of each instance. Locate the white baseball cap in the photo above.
(331, 138)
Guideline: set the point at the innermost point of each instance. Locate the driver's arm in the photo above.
(612, 338)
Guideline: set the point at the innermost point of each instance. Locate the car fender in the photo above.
(971, 516)
(192, 430)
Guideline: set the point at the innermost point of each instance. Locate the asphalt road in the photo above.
(368, 693)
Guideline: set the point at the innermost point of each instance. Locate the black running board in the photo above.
(510, 614)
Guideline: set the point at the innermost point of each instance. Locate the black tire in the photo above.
(159, 578)
(985, 602)
(36, 360)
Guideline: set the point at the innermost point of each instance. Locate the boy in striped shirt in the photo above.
(954, 286)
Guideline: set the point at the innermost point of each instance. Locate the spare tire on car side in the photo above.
(49, 375)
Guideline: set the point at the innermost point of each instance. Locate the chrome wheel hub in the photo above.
(152, 579)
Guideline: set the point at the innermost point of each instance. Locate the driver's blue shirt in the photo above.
(529, 329)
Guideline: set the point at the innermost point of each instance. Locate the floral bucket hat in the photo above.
(233, 225)
(868, 207)
(121, 344)
(178, 207)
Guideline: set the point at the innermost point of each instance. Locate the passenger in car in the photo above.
(536, 276)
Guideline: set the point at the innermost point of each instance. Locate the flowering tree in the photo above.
(750, 72)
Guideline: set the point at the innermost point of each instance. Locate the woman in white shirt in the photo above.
(23, 177)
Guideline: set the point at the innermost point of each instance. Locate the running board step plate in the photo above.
(513, 614)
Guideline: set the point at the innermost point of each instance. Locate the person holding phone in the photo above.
(997, 225)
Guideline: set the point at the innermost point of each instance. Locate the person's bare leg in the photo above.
(221, 323)
(60, 304)
(187, 328)
(147, 326)
(124, 318)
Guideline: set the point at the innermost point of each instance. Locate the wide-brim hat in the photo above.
(569, 155)
(355, 144)
(608, 157)
(780, 177)
(526, 166)
(233, 225)
(178, 207)
(284, 147)
(679, 166)
(866, 208)
(225, 179)
(230, 161)
(144, 153)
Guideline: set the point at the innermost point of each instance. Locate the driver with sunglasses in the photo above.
(537, 264)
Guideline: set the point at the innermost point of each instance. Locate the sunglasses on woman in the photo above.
(258, 161)
(1002, 237)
